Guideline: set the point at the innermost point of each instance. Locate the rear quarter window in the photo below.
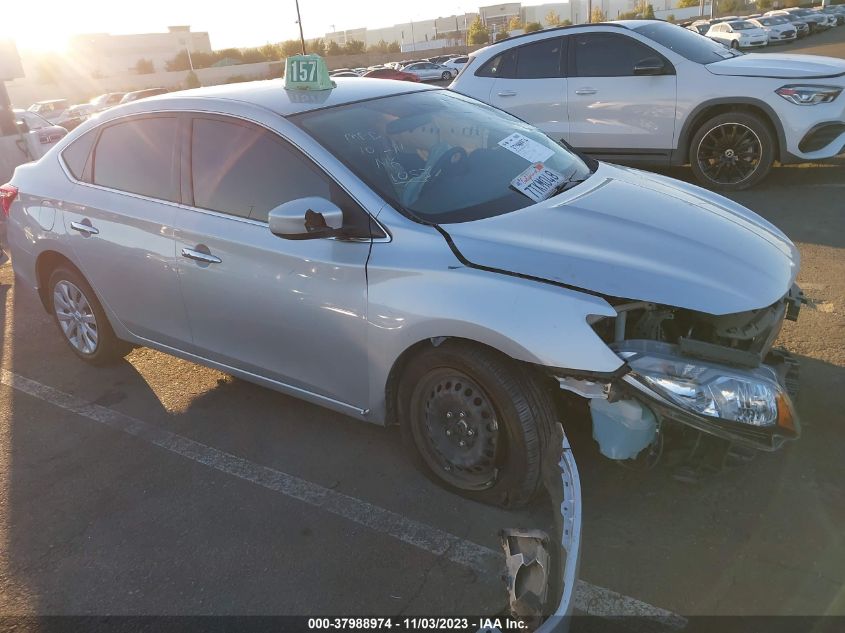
(76, 155)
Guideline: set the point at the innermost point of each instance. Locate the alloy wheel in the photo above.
(729, 153)
(76, 317)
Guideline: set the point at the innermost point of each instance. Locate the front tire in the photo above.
(732, 151)
(446, 75)
(81, 319)
(735, 45)
(476, 422)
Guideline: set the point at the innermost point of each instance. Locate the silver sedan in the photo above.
(428, 71)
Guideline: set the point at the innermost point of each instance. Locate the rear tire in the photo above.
(475, 422)
(81, 319)
(734, 45)
(732, 151)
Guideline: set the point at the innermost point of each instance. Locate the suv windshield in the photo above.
(686, 43)
(441, 157)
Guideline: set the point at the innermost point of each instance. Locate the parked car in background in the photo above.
(142, 94)
(75, 115)
(39, 133)
(456, 63)
(700, 26)
(738, 34)
(815, 21)
(777, 27)
(837, 12)
(648, 92)
(106, 100)
(52, 109)
(426, 71)
(389, 73)
(345, 73)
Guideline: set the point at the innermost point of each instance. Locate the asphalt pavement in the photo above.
(162, 487)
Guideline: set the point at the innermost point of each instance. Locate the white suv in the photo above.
(651, 93)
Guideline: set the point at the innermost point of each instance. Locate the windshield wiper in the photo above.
(565, 186)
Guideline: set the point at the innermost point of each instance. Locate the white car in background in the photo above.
(457, 63)
(738, 34)
(816, 21)
(646, 92)
(777, 27)
(427, 71)
(52, 109)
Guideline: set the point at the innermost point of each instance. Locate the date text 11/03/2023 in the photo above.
(473, 624)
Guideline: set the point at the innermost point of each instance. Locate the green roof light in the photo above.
(307, 72)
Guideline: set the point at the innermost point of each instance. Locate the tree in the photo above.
(291, 47)
(317, 46)
(333, 48)
(598, 15)
(552, 19)
(144, 67)
(379, 47)
(192, 81)
(565, 23)
(764, 5)
(179, 62)
(670, 17)
(502, 35)
(513, 25)
(354, 47)
(683, 4)
(644, 10)
(271, 52)
(533, 27)
(478, 33)
(394, 47)
(628, 15)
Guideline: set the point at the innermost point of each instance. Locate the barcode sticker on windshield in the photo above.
(531, 151)
(537, 182)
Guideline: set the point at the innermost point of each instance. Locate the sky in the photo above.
(234, 23)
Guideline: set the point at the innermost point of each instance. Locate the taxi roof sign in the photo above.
(307, 72)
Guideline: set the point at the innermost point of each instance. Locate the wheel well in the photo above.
(392, 386)
(723, 108)
(46, 263)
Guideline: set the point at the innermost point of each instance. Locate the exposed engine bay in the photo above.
(714, 379)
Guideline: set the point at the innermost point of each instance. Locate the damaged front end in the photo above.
(717, 374)
(541, 570)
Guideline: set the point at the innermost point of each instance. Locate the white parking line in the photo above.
(483, 560)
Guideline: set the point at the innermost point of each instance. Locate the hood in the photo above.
(625, 233)
(777, 65)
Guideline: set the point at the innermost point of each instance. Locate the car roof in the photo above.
(272, 95)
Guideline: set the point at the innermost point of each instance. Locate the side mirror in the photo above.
(306, 219)
(650, 66)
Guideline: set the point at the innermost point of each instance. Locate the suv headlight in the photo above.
(809, 95)
(750, 397)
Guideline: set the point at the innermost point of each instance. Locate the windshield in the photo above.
(686, 43)
(742, 25)
(442, 157)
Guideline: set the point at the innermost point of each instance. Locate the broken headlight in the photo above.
(750, 397)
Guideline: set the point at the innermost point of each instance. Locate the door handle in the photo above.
(206, 258)
(507, 93)
(85, 229)
(586, 91)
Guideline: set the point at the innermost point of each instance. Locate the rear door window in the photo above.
(539, 60)
(139, 156)
(608, 55)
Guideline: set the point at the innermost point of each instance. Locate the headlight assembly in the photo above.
(749, 397)
(809, 95)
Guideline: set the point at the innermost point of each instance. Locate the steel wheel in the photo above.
(76, 317)
(459, 436)
(729, 153)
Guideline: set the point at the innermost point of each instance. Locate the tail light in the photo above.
(8, 194)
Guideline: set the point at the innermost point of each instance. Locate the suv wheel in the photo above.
(732, 151)
(476, 422)
(81, 319)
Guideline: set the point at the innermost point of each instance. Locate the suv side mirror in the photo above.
(306, 219)
(650, 66)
